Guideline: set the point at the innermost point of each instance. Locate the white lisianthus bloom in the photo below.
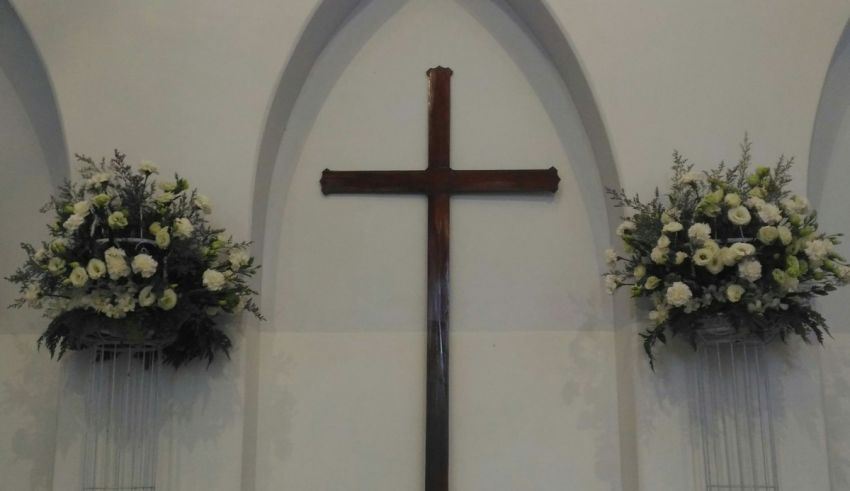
(770, 214)
(163, 239)
(703, 256)
(652, 283)
(626, 228)
(699, 232)
(56, 265)
(202, 203)
(183, 228)
(749, 269)
(819, 249)
(96, 268)
(715, 266)
(663, 242)
(214, 280)
(784, 234)
(732, 200)
(670, 215)
(659, 255)
(116, 265)
(678, 294)
(740, 250)
(611, 282)
(739, 215)
(165, 198)
(168, 299)
(147, 297)
(726, 256)
(680, 257)
(639, 271)
(117, 220)
(145, 265)
(73, 222)
(78, 276)
(82, 208)
(610, 258)
(672, 227)
(734, 293)
(755, 203)
(692, 177)
(147, 167)
(768, 234)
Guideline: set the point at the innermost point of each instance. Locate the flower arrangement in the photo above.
(727, 243)
(135, 261)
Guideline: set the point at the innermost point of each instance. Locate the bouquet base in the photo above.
(736, 448)
(122, 415)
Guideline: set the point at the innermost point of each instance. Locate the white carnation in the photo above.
(749, 269)
(795, 204)
(214, 280)
(769, 213)
(819, 249)
(183, 227)
(73, 222)
(678, 294)
(116, 265)
(611, 282)
(239, 258)
(32, 294)
(56, 265)
(145, 265)
(99, 179)
(202, 203)
(699, 232)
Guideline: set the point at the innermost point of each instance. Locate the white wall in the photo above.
(190, 86)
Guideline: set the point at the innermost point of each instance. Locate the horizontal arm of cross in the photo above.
(440, 181)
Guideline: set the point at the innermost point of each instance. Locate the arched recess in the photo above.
(828, 181)
(276, 161)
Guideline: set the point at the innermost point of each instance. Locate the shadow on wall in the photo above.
(28, 398)
(21, 63)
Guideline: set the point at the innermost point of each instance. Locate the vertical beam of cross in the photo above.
(439, 181)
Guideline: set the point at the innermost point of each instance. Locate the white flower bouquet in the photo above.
(132, 261)
(729, 243)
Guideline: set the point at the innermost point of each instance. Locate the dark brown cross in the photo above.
(439, 181)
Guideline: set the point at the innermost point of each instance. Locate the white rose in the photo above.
(214, 280)
(678, 294)
(96, 268)
(82, 208)
(749, 269)
(739, 215)
(819, 249)
(699, 232)
(144, 265)
(73, 222)
(734, 293)
(147, 297)
(183, 227)
(672, 227)
(168, 299)
(78, 276)
(769, 213)
(626, 228)
(147, 167)
(162, 238)
(202, 203)
(659, 255)
(239, 258)
(611, 282)
(116, 265)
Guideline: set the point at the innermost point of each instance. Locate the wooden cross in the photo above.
(439, 181)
